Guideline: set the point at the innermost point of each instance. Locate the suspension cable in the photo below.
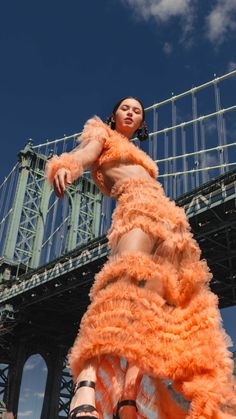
(194, 153)
(162, 131)
(193, 90)
(6, 178)
(199, 119)
(196, 170)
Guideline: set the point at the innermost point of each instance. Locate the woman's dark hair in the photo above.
(142, 133)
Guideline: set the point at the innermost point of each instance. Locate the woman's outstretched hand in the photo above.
(61, 180)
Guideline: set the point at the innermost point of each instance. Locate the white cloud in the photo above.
(27, 413)
(209, 160)
(164, 10)
(221, 21)
(29, 366)
(159, 9)
(210, 126)
(167, 48)
(39, 395)
(231, 66)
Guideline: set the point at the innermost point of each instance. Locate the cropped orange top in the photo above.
(116, 148)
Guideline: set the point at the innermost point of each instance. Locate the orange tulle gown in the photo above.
(176, 339)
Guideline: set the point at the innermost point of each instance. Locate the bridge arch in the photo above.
(33, 386)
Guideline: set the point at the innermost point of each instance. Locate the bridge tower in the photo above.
(30, 209)
(38, 228)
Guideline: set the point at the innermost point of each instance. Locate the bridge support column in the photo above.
(55, 360)
(13, 228)
(54, 357)
(18, 358)
(41, 221)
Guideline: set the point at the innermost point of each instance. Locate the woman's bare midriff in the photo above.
(122, 171)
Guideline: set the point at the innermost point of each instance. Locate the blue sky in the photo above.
(62, 62)
(32, 388)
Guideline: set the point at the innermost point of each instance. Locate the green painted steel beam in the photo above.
(40, 225)
(12, 232)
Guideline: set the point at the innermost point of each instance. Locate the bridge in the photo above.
(51, 249)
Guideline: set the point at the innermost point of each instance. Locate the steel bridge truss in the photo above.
(212, 214)
(4, 369)
(40, 227)
(66, 386)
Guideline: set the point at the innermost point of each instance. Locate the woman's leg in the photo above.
(137, 240)
(133, 379)
(134, 241)
(85, 395)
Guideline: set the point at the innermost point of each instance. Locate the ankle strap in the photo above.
(85, 383)
(127, 403)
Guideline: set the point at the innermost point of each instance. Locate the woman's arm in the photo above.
(87, 153)
(65, 169)
(83, 158)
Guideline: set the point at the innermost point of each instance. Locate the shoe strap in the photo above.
(86, 408)
(85, 383)
(127, 403)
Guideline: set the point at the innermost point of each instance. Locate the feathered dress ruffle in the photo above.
(176, 339)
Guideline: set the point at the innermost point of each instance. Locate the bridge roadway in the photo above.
(50, 301)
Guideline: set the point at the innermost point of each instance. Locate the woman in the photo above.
(151, 310)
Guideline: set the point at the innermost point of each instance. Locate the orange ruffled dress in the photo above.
(177, 341)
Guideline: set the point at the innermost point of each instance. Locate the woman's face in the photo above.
(128, 117)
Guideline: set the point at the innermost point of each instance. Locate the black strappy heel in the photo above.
(124, 403)
(83, 407)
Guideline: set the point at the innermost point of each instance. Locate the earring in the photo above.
(111, 122)
(142, 133)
